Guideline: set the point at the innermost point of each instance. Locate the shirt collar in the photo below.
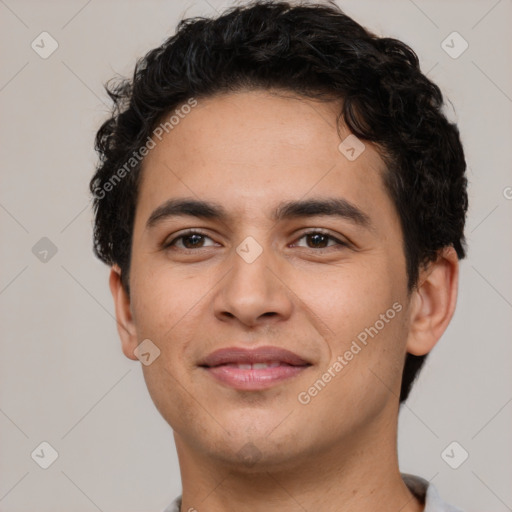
(421, 488)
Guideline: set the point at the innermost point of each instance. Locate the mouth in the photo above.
(254, 369)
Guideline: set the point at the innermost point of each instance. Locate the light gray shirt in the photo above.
(423, 490)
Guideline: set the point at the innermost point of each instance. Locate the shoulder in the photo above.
(174, 506)
(427, 492)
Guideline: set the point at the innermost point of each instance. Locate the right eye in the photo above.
(189, 241)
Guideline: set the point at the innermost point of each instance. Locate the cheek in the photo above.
(348, 300)
(162, 296)
(167, 310)
(363, 310)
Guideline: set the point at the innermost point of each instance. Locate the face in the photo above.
(300, 249)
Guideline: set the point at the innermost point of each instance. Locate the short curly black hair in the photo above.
(315, 51)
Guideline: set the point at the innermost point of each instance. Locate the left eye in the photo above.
(319, 240)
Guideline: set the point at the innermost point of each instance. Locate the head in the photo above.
(246, 112)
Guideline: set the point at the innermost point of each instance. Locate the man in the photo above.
(282, 203)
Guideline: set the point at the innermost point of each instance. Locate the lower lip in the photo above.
(254, 379)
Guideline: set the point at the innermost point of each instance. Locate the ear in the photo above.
(433, 302)
(125, 325)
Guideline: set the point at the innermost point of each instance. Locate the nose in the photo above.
(253, 293)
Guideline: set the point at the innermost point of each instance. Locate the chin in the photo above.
(257, 457)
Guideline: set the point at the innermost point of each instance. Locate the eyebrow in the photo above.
(334, 207)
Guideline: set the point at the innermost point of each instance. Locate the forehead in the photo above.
(252, 150)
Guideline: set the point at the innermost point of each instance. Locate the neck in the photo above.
(355, 475)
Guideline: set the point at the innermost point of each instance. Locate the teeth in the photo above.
(257, 366)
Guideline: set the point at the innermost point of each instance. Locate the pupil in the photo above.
(196, 239)
(317, 239)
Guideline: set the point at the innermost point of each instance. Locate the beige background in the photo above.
(63, 377)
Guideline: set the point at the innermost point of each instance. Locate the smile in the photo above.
(255, 376)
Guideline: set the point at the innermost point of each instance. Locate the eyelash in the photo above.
(168, 245)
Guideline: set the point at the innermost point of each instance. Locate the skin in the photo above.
(249, 151)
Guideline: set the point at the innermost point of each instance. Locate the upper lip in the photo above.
(236, 355)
